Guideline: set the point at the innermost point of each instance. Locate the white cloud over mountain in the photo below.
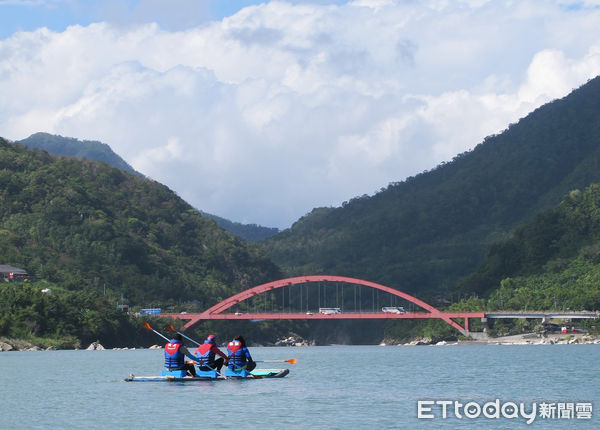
(281, 108)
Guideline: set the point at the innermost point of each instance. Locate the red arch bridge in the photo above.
(427, 311)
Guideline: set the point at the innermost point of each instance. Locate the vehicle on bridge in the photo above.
(565, 330)
(150, 311)
(330, 311)
(393, 310)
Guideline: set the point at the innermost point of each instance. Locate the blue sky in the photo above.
(261, 111)
(57, 15)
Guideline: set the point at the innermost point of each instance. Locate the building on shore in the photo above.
(11, 273)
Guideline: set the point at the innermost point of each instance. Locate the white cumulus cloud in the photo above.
(283, 107)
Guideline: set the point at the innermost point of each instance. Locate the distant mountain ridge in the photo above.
(68, 146)
(98, 151)
(424, 234)
(249, 232)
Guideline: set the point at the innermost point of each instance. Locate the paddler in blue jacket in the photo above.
(205, 354)
(175, 352)
(239, 356)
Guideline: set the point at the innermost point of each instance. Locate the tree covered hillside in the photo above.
(424, 234)
(86, 225)
(551, 262)
(98, 151)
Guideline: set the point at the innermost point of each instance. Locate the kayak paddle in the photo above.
(174, 330)
(291, 361)
(149, 327)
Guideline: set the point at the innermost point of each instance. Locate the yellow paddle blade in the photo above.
(147, 326)
(292, 360)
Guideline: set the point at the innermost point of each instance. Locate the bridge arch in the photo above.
(269, 286)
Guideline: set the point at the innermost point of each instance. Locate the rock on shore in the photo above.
(95, 346)
(5, 347)
(420, 341)
(293, 341)
(7, 344)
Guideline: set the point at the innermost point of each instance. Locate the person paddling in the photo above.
(239, 356)
(205, 354)
(175, 352)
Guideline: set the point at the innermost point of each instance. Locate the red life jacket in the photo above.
(237, 354)
(233, 346)
(205, 355)
(173, 357)
(203, 349)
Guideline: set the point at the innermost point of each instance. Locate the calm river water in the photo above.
(335, 387)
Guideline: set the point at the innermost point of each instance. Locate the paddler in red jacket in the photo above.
(205, 354)
(239, 356)
(175, 352)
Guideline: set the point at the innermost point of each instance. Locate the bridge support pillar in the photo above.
(486, 326)
(466, 324)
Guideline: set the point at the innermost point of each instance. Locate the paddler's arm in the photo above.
(187, 352)
(248, 356)
(216, 350)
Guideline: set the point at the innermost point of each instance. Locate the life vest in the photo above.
(174, 359)
(237, 355)
(205, 355)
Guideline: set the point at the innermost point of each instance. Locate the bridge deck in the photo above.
(383, 315)
(316, 315)
(542, 314)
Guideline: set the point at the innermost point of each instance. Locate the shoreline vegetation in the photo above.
(7, 344)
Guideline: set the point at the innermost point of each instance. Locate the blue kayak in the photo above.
(180, 376)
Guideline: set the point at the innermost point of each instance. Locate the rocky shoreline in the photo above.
(21, 345)
(519, 339)
(297, 341)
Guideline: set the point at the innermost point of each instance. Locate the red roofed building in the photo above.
(10, 273)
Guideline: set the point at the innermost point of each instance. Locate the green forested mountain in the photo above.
(98, 151)
(88, 149)
(86, 225)
(550, 262)
(424, 234)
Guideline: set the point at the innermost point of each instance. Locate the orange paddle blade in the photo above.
(147, 326)
(292, 360)
(170, 328)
